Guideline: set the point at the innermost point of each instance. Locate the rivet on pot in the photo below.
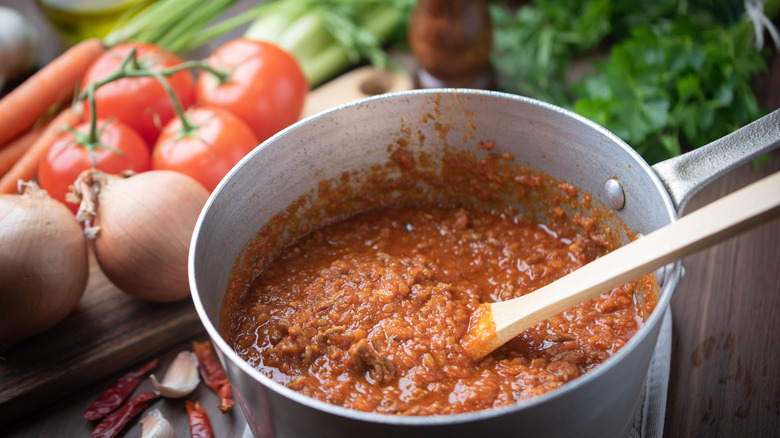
(616, 199)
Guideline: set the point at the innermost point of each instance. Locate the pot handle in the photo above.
(684, 175)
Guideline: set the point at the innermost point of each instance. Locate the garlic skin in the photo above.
(155, 425)
(181, 378)
(19, 45)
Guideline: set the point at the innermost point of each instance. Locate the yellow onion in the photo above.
(44, 264)
(141, 228)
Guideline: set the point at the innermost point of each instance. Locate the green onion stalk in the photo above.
(170, 24)
(325, 36)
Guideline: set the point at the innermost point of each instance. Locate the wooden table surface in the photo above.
(724, 379)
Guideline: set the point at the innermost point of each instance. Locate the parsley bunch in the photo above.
(534, 46)
(677, 75)
(675, 85)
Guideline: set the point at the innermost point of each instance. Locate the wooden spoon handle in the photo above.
(496, 323)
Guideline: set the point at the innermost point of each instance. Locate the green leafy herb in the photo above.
(676, 76)
(534, 46)
(675, 85)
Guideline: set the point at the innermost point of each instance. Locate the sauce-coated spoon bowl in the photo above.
(493, 324)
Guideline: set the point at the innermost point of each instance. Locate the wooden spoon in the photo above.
(493, 324)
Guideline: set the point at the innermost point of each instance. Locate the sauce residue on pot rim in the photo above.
(366, 309)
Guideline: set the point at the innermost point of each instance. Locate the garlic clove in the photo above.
(155, 425)
(181, 378)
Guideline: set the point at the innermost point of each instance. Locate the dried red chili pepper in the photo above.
(213, 374)
(200, 426)
(113, 397)
(116, 421)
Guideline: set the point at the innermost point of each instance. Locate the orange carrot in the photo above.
(24, 105)
(14, 149)
(27, 166)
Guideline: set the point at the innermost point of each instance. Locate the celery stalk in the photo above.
(307, 38)
(326, 64)
(310, 38)
(380, 19)
(304, 33)
(270, 26)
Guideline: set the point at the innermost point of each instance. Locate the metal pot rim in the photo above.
(655, 319)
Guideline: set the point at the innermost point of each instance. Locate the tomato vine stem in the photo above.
(131, 68)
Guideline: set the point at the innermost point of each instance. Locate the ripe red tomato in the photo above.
(141, 103)
(217, 142)
(119, 148)
(266, 88)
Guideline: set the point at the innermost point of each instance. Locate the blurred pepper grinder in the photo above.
(451, 40)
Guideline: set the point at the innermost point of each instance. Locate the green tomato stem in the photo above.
(92, 136)
(185, 124)
(130, 68)
(222, 74)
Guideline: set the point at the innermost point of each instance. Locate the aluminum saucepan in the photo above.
(559, 143)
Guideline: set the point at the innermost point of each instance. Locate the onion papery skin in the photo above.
(145, 225)
(44, 264)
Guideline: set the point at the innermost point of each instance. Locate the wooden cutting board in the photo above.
(110, 331)
(357, 84)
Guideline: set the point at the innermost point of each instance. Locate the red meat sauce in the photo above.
(367, 312)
